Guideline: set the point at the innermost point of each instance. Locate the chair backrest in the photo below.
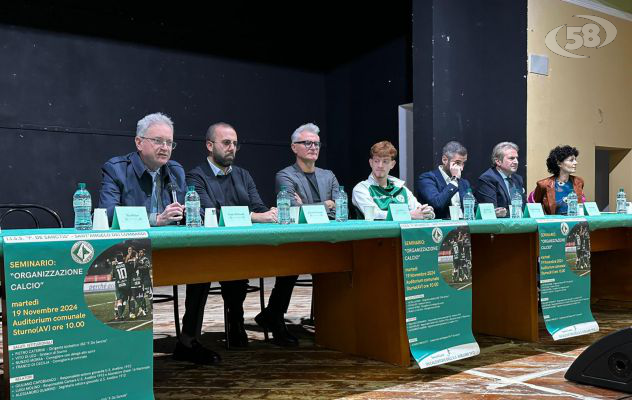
(33, 212)
(531, 198)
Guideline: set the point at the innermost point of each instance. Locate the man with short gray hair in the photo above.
(144, 177)
(443, 187)
(307, 184)
(498, 184)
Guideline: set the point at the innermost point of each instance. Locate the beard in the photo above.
(224, 160)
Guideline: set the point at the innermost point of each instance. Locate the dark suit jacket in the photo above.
(433, 189)
(126, 182)
(545, 192)
(211, 195)
(492, 189)
(295, 180)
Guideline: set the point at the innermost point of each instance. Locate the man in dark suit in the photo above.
(498, 183)
(143, 178)
(220, 183)
(147, 178)
(443, 187)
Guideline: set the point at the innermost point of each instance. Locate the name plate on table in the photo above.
(210, 218)
(485, 211)
(232, 216)
(533, 210)
(592, 209)
(398, 212)
(313, 214)
(130, 218)
(455, 213)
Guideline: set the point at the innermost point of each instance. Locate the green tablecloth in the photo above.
(272, 234)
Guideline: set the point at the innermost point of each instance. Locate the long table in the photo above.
(358, 278)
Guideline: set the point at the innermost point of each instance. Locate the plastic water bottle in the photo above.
(342, 210)
(516, 205)
(192, 206)
(622, 202)
(571, 200)
(82, 204)
(283, 206)
(469, 204)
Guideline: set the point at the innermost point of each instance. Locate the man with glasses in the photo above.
(220, 183)
(147, 177)
(144, 177)
(307, 184)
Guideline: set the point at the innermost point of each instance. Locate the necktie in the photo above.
(154, 196)
(156, 200)
(511, 186)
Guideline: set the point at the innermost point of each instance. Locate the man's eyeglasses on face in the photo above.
(161, 142)
(309, 143)
(227, 143)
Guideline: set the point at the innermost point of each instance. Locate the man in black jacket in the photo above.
(220, 183)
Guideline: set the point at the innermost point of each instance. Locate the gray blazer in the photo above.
(295, 180)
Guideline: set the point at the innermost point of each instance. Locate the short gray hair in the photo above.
(309, 127)
(498, 153)
(210, 132)
(452, 148)
(152, 119)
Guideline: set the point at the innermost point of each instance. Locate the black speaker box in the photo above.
(607, 363)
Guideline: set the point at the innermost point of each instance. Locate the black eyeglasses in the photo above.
(160, 142)
(227, 143)
(309, 143)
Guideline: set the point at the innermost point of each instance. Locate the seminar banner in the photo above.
(565, 277)
(438, 292)
(78, 316)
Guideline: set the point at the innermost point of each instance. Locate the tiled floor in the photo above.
(505, 369)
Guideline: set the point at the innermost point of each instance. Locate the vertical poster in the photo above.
(437, 262)
(78, 322)
(565, 277)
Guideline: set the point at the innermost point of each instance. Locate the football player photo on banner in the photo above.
(78, 316)
(437, 262)
(565, 277)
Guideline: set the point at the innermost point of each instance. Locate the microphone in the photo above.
(172, 187)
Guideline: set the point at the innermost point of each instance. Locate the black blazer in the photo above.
(126, 182)
(492, 189)
(211, 196)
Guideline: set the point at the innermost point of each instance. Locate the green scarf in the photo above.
(382, 197)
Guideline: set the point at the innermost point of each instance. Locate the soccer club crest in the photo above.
(437, 235)
(564, 228)
(82, 252)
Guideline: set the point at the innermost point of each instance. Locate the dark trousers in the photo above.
(281, 294)
(233, 293)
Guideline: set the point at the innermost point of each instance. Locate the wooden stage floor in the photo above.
(505, 369)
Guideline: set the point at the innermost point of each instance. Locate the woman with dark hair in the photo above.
(552, 191)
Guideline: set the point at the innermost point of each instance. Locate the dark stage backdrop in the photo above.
(362, 101)
(470, 66)
(68, 103)
(76, 77)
